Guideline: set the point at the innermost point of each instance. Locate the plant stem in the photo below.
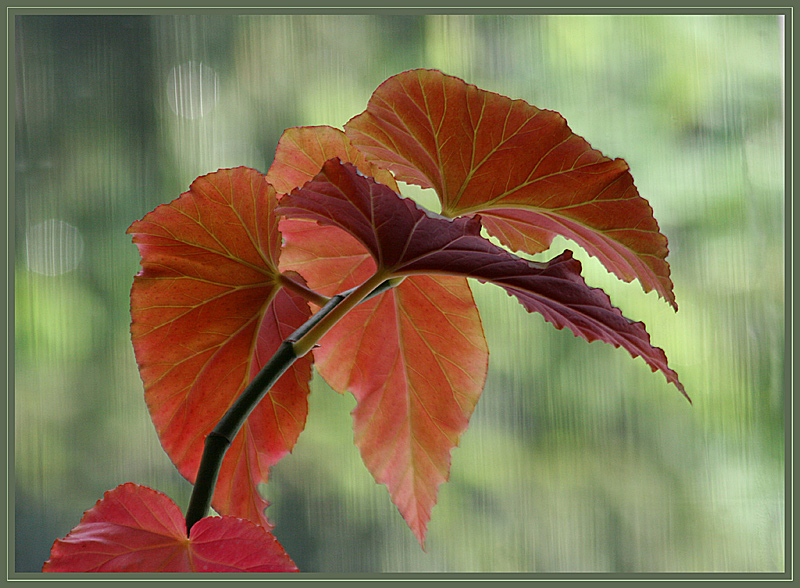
(355, 297)
(221, 437)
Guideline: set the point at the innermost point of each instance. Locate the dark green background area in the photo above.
(578, 458)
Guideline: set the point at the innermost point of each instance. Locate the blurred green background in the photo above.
(578, 458)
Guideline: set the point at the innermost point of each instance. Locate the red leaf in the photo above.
(520, 167)
(136, 529)
(329, 258)
(302, 151)
(405, 239)
(427, 362)
(208, 313)
(414, 357)
(418, 349)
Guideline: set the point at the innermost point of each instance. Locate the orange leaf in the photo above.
(418, 349)
(527, 174)
(136, 529)
(416, 361)
(414, 357)
(208, 313)
(301, 152)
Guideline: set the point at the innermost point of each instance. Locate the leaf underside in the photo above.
(208, 313)
(404, 239)
(520, 167)
(415, 357)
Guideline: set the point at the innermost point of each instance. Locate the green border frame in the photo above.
(419, 8)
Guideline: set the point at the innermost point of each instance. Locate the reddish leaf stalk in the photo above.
(295, 346)
(304, 291)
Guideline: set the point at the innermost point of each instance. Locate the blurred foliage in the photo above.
(577, 458)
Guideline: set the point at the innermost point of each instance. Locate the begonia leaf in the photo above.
(522, 168)
(415, 357)
(426, 363)
(405, 239)
(301, 152)
(208, 312)
(136, 529)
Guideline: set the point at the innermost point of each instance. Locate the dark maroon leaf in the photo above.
(405, 239)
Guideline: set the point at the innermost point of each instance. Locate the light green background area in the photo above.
(578, 458)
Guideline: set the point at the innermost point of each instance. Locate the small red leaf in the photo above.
(136, 529)
(520, 167)
(329, 259)
(208, 312)
(302, 151)
(405, 239)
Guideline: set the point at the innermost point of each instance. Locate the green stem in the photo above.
(221, 437)
(355, 297)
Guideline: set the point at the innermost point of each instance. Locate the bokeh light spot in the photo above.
(53, 247)
(192, 90)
